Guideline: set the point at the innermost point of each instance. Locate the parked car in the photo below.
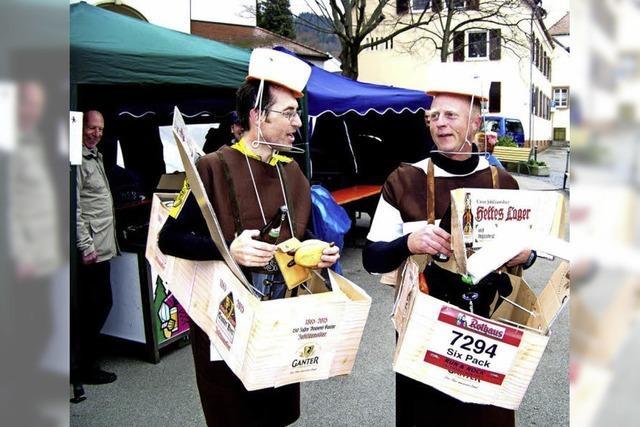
(504, 126)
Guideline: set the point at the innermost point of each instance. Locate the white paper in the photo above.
(170, 153)
(496, 252)
(8, 114)
(493, 255)
(75, 137)
(119, 158)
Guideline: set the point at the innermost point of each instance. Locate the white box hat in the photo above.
(279, 68)
(449, 78)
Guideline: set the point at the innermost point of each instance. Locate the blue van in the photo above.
(504, 126)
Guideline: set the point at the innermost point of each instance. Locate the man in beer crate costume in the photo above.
(413, 198)
(247, 183)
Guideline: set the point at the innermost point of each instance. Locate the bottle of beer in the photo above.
(445, 224)
(467, 223)
(271, 231)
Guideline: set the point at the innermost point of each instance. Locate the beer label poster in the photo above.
(170, 319)
(481, 215)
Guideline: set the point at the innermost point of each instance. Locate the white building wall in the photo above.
(173, 14)
(177, 14)
(239, 12)
(562, 76)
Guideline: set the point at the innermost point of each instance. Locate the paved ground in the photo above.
(165, 394)
(555, 158)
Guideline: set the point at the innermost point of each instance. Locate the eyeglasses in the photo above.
(288, 114)
(434, 115)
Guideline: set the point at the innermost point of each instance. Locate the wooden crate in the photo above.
(469, 357)
(266, 343)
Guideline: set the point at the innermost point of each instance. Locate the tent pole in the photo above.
(305, 133)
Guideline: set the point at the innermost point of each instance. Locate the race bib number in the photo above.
(473, 347)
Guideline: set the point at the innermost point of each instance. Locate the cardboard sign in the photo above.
(190, 153)
(498, 224)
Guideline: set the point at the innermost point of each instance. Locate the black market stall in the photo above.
(134, 73)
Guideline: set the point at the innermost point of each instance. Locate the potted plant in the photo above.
(506, 141)
(538, 168)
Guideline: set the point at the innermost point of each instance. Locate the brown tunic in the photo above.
(224, 399)
(406, 189)
(216, 184)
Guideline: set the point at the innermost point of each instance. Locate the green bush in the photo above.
(506, 141)
(533, 162)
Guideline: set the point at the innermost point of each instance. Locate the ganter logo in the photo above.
(306, 356)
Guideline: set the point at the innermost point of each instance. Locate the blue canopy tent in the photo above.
(359, 132)
(330, 93)
(333, 93)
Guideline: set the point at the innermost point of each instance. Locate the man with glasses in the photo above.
(247, 184)
(400, 228)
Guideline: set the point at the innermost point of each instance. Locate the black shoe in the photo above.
(98, 376)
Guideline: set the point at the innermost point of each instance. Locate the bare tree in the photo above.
(435, 21)
(507, 23)
(352, 21)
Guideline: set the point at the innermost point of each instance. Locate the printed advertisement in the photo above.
(484, 215)
(170, 319)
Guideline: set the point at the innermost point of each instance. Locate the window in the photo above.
(420, 5)
(561, 97)
(491, 125)
(477, 44)
(457, 4)
(123, 10)
(494, 97)
(402, 7)
(513, 126)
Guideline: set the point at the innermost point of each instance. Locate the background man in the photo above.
(96, 244)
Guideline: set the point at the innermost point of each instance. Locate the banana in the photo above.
(310, 252)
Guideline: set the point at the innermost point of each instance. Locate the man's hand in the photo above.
(329, 257)
(90, 258)
(250, 252)
(521, 258)
(430, 240)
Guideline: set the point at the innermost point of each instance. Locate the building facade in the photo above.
(561, 81)
(512, 61)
